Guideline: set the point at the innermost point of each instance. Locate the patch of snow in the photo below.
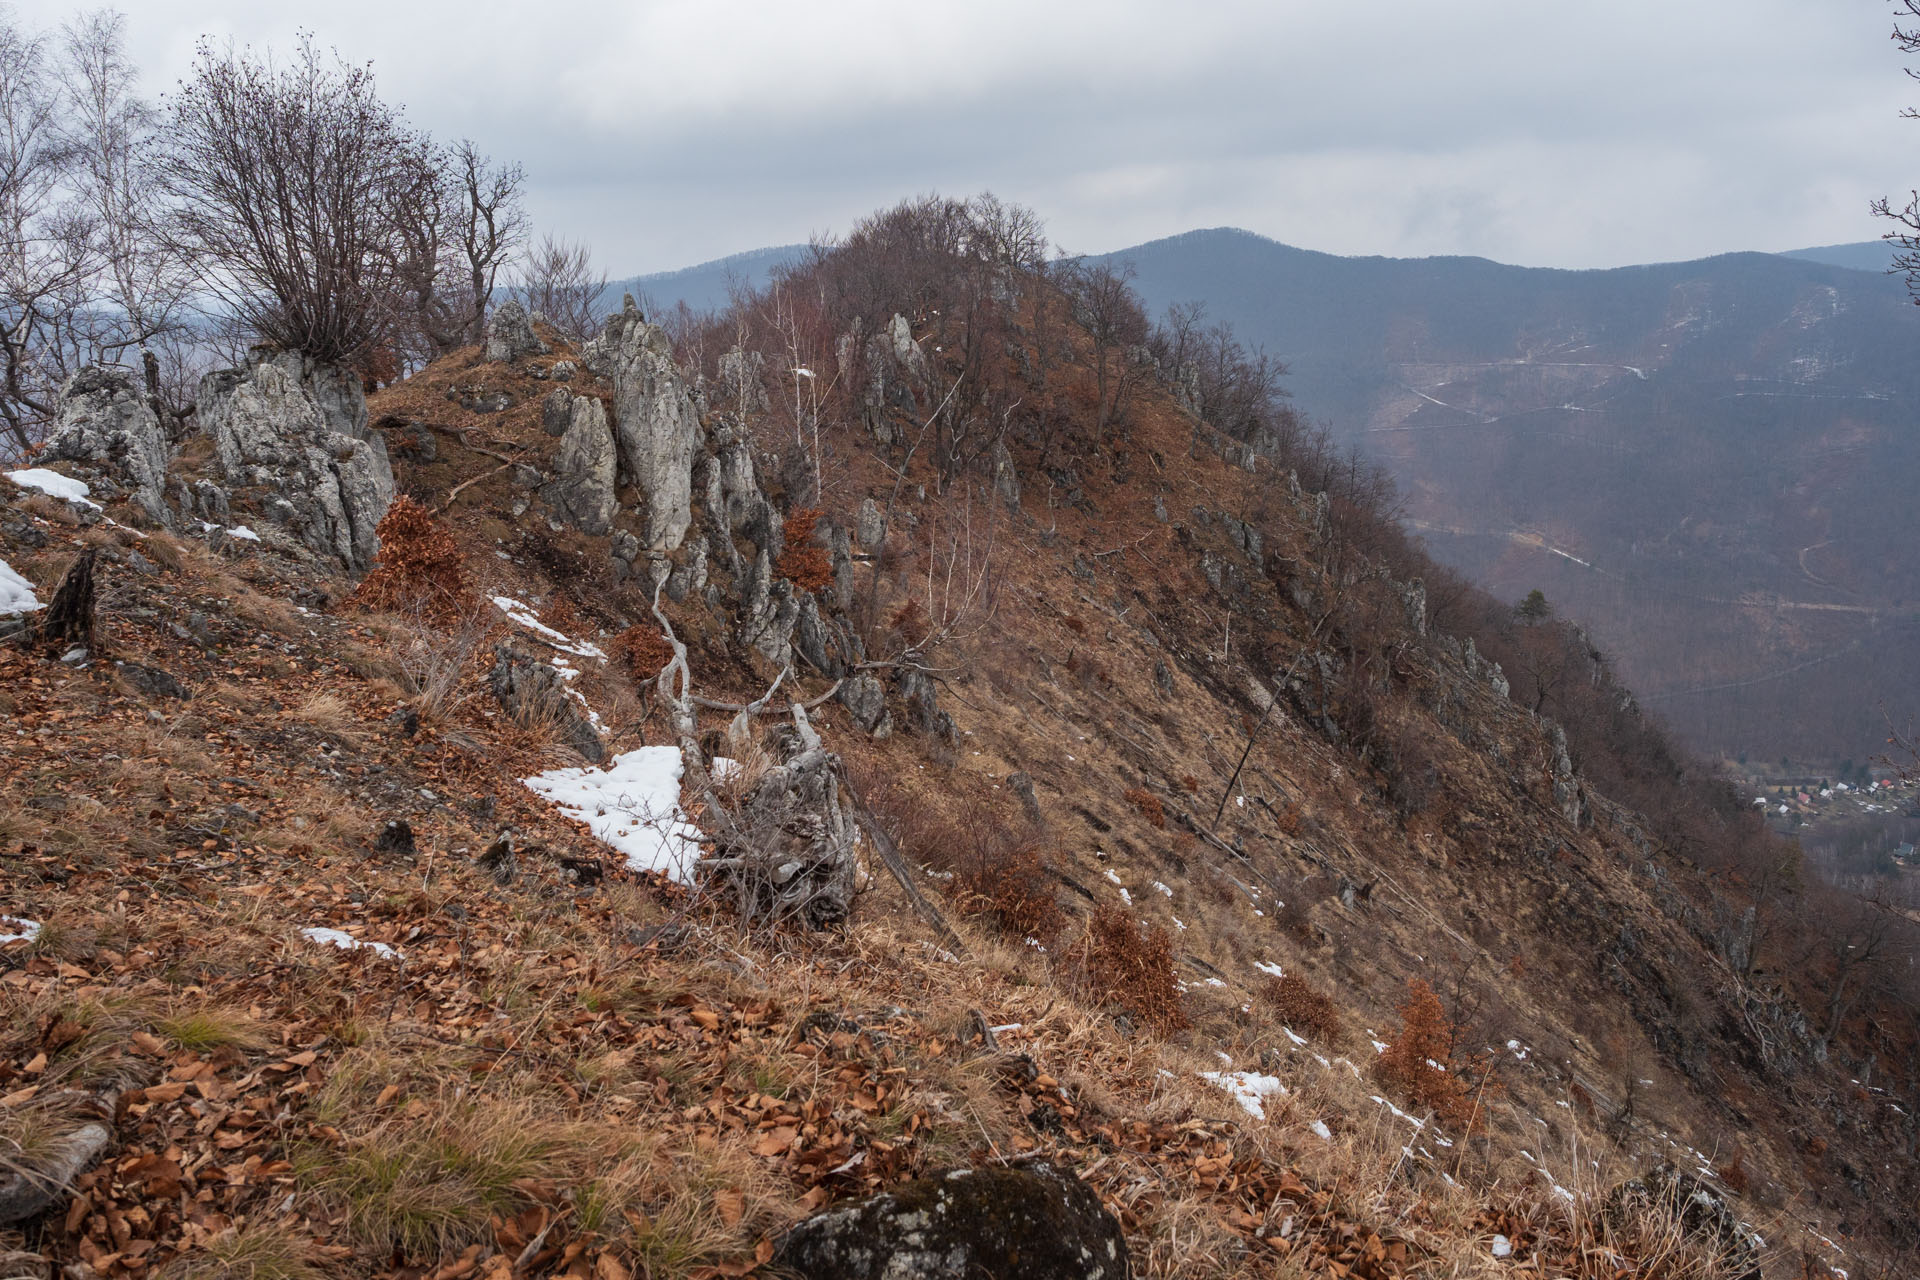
(1415, 1121)
(519, 612)
(28, 929)
(1178, 925)
(1162, 888)
(1215, 982)
(1300, 1040)
(241, 531)
(1269, 968)
(16, 593)
(347, 942)
(52, 482)
(1247, 1088)
(632, 807)
(1379, 1046)
(1321, 1131)
(1502, 1247)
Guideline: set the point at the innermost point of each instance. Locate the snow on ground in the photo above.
(54, 483)
(632, 806)
(16, 593)
(28, 929)
(1321, 1131)
(520, 612)
(1269, 968)
(347, 942)
(1247, 1088)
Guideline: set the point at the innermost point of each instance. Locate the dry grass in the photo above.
(255, 1251)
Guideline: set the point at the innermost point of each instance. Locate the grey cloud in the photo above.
(1574, 135)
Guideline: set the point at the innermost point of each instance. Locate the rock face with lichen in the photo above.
(656, 421)
(297, 428)
(584, 467)
(1031, 1223)
(105, 422)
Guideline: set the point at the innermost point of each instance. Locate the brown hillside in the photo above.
(1202, 736)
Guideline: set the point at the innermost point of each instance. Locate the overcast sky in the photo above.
(668, 132)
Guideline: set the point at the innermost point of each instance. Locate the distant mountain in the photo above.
(705, 287)
(1713, 464)
(1868, 255)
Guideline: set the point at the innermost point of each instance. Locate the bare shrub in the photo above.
(1301, 1008)
(1130, 964)
(804, 563)
(419, 569)
(1003, 877)
(1149, 806)
(1421, 1063)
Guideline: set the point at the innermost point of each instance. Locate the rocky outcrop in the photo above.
(655, 420)
(106, 423)
(298, 429)
(1032, 1223)
(870, 524)
(584, 467)
(534, 693)
(865, 699)
(510, 334)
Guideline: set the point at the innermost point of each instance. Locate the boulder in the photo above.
(655, 419)
(870, 524)
(584, 467)
(865, 699)
(533, 692)
(510, 334)
(298, 428)
(105, 421)
(1031, 1223)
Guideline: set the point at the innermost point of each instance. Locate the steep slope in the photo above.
(1147, 725)
(1703, 462)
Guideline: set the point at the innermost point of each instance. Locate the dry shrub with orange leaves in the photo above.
(804, 563)
(1148, 804)
(1131, 964)
(419, 566)
(1420, 1062)
(911, 624)
(1303, 1009)
(643, 651)
(1004, 878)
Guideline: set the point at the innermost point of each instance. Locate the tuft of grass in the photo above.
(211, 1027)
(430, 1183)
(256, 1251)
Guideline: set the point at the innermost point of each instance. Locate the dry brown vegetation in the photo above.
(603, 1074)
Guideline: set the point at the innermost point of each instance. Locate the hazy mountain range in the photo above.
(1711, 464)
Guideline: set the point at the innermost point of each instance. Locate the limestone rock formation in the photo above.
(584, 467)
(105, 421)
(533, 692)
(656, 421)
(1032, 1223)
(298, 428)
(510, 334)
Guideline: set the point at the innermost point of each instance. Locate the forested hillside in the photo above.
(1704, 463)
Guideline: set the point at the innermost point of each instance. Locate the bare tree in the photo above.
(1906, 238)
(47, 249)
(144, 281)
(291, 185)
(462, 223)
(1107, 308)
(560, 282)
